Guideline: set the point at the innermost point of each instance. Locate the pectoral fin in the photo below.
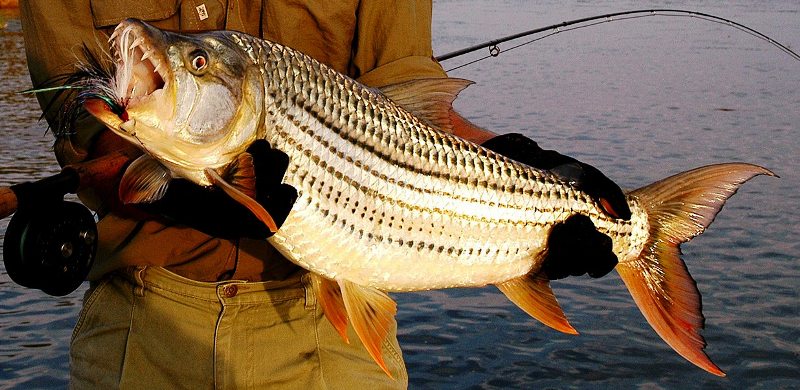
(532, 293)
(330, 298)
(247, 201)
(144, 181)
(241, 174)
(372, 313)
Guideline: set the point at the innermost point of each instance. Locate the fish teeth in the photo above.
(147, 55)
(112, 39)
(136, 43)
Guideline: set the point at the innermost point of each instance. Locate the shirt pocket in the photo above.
(159, 13)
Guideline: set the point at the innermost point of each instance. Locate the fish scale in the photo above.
(405, 199)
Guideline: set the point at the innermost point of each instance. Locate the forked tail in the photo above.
(679, 208)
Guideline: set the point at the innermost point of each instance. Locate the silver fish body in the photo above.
(388, 201)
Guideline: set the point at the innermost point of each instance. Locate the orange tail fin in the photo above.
(679, 208)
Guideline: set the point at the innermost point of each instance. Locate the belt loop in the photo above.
(138, 277)
(311, 300)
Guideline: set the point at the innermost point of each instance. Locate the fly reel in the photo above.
(50, 243)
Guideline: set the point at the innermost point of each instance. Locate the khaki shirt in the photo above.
(378, 42)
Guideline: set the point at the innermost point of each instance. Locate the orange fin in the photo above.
(330, 298)
(245, 200)
(428, 99)
(534, 296)
(679, 208)
(675, 311)
(372, 313)
(144, 181)
(241, 174)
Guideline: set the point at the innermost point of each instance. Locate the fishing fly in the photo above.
(494, 45)
(90, 81)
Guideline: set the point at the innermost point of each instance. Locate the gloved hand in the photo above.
(213, 212)
(575, 247)
(584, 176)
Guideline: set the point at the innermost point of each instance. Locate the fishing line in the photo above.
(92, 79)
(494, 48)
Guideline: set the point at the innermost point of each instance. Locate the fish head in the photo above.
(192, 101)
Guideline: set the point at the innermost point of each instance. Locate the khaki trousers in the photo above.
(147, 328)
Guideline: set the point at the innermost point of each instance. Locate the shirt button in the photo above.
(230, 291)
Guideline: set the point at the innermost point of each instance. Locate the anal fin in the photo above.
(330, 298)
(532, 293)
(372, 313)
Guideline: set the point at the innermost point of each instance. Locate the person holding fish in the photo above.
(186, 291)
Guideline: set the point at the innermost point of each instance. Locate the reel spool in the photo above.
(50, 243)
(51, 250)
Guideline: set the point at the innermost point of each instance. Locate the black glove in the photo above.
(584, 176)
(575, 247)
(213, 212)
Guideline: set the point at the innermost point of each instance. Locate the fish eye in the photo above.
(199, 60)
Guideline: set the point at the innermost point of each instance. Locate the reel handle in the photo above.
(8, 202)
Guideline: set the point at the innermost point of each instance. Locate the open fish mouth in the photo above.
(142, 71)
(140, 80)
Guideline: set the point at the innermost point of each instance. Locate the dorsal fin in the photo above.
(532, 293)
(330, 298)
(371, 312)
(428, 99)
(144, 181)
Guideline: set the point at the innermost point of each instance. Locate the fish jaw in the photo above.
(187, 116)
(144, 80)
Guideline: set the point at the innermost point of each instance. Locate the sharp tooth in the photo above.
(146, 55)
(113, 34)
(137, 42)
(158, 66)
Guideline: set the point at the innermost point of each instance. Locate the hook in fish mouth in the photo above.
(141, 77)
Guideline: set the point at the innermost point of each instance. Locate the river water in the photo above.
(639, 99)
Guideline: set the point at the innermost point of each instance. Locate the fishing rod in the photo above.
(494, 48)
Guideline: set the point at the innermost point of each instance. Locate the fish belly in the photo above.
(361, 218)
(385, 200)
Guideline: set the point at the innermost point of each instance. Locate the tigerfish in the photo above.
(388, 199)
